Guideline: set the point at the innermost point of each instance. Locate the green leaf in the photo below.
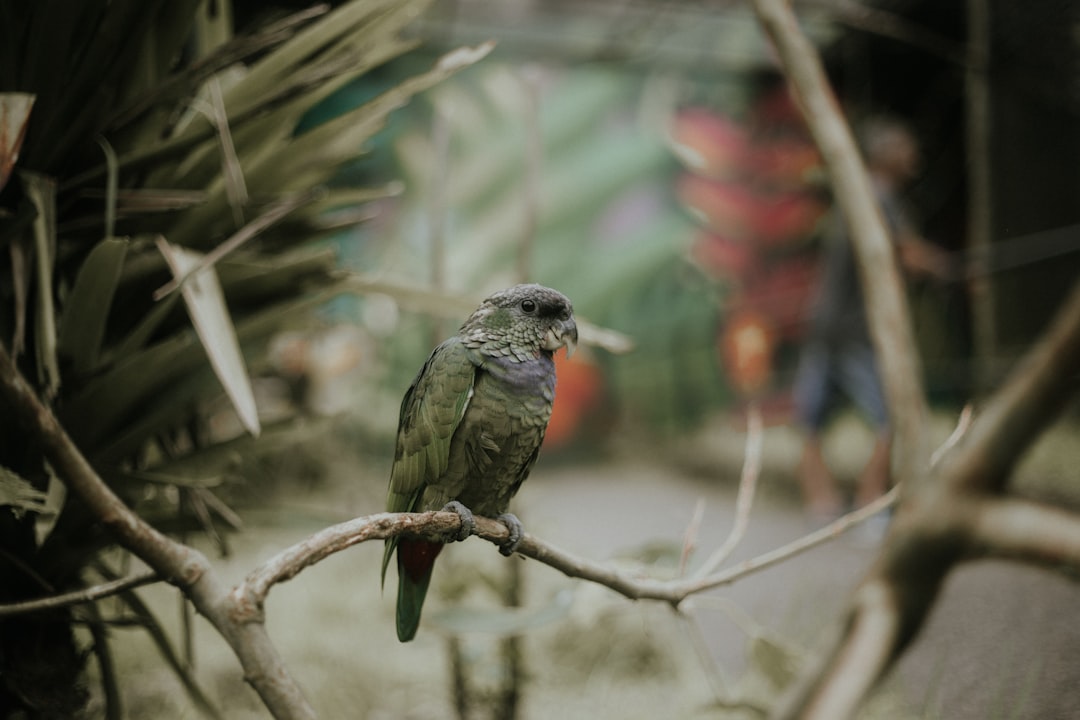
(206, 306)
(19, 493)
(14, 116)
(82, 327)
(85, 86)
(171, 403)
(272, 71)
(145, 392)
(42, 193)
(345, 134)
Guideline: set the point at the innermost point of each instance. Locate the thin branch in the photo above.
(963, 424)
(795, 547)
(723, 698)
(744, 501)
(867, 650)
(110, 685)
(695, 636)
(161, 641)
(690, 537)
(223, 511)
(78, 597)
(202, 514)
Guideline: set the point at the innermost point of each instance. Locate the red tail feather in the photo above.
(417, 557)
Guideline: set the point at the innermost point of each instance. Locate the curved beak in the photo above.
(564, 334)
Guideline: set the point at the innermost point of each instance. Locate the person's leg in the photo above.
(859, 379)
(821, 499)
(874, 480)
(812, 389)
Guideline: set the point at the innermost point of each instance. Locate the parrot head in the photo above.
(521, 322)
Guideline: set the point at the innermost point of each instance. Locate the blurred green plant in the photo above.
(162, 215)
(569, 168)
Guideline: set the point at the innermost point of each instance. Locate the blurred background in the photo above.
(646, 159)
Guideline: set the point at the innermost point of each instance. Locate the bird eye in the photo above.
(528, 306)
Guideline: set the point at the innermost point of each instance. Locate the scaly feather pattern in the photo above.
(472, 422)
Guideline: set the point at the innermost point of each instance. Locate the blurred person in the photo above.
(837, 358)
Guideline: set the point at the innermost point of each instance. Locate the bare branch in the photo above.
(77, 597)
(744, 501)
(291, 561)
(690, 537)
(793, 548)
(110, 684)
(175, 562)
(963, 424)
(866, 652)
(179, 564)
(250, 595)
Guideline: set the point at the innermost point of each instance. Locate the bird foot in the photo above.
(468, 522)
(517, 532)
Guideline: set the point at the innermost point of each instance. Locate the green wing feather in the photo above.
(430, 413)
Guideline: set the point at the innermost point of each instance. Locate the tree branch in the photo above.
(179, 564)
(744, 501)
(84, 595)
(248, 597)
(865, 653)
(957, 516)
(1023, 530)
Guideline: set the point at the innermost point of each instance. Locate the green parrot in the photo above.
(471, 425)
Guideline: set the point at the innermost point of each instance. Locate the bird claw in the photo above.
(468, 522)
(516, 530)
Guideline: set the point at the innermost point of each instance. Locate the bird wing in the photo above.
(430, 413)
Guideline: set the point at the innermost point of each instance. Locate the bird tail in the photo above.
(415, 561)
